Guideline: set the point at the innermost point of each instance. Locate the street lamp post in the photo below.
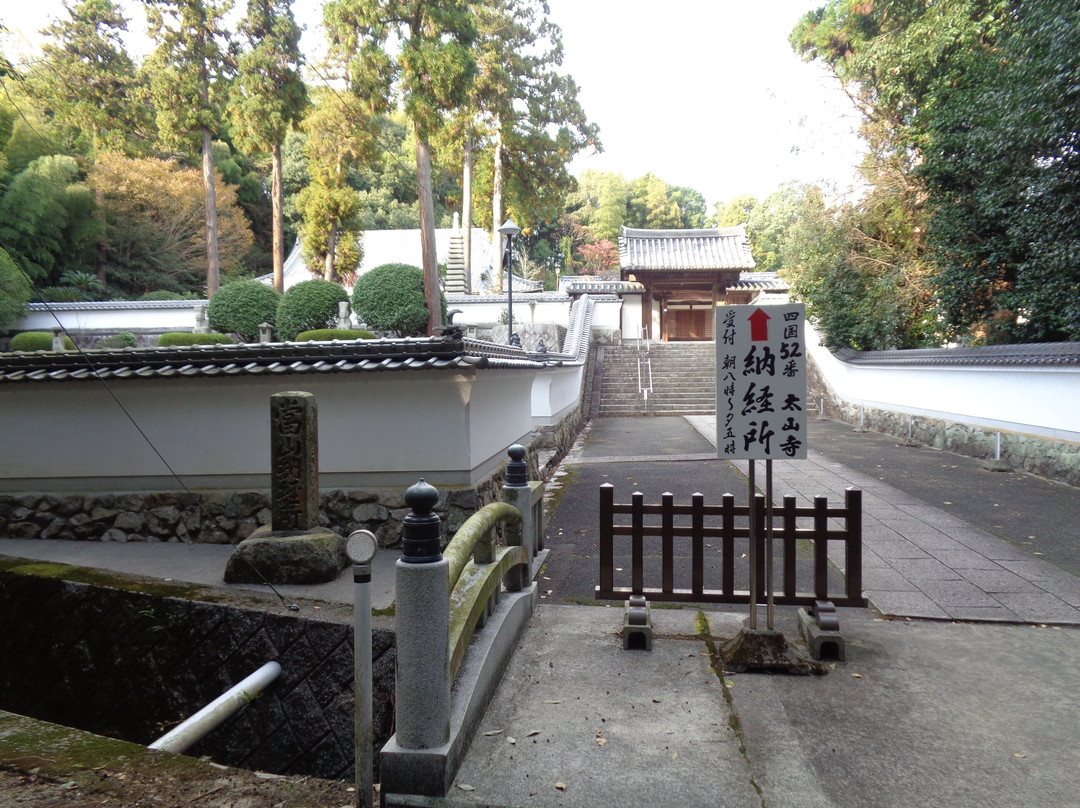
(509, 229)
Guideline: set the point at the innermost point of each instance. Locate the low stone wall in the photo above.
(226, 517)
(217, 517)
(129, 659)
(1054, 459)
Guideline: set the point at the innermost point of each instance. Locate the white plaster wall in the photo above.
(487, 309)
(172, 318)
(1032, 400)
(555, 392)
(607, 314)
(631, 317)
(385, 427)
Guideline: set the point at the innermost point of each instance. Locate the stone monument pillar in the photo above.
(293, 549)
(294, 461)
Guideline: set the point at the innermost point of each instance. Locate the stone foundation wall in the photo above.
(1053, 459)
(131, 665)
(227, 517)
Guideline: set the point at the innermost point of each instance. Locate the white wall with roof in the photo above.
(1034, 399)
(401, 247)
(375, 428)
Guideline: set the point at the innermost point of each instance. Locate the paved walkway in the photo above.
(921, 712)
(921, 561)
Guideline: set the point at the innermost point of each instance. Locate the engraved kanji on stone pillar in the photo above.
(294, 461)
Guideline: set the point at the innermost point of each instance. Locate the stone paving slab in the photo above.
(952, 569)
(579, 722)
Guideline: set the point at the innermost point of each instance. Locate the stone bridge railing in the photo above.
(460, 612)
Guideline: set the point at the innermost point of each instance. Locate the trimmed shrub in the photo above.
(37, 341)
(241, 307)
(307, 306)
(391, 298)
(333, 333)
(180, 338)
(125, 339)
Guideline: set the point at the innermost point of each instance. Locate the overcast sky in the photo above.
(702, 93)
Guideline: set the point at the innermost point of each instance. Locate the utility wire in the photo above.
(291, 606)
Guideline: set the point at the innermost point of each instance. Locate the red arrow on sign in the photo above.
(759, 326)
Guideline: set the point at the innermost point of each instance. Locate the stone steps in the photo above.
(683, 379)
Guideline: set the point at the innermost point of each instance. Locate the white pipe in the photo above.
(215, 713)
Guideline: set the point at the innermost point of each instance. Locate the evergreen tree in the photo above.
(86, 79)
(269, 98)
(431, 67)
(339, 133)
(191, 59)
(1003, 174)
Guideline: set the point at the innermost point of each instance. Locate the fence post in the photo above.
(853, 555)
(607, 540)
(422, 689)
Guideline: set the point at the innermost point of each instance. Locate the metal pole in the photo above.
(361, 546)
(510, 286)
(768, 544)
(751, 510)
(216, 712)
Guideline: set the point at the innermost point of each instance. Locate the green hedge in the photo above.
(308, 306)
(124, 339)
(37, 341)
(333, 333)
(162, 294)
(391, 298)
(241, 307)
(174, 338)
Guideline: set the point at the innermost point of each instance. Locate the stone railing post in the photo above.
(528, 497)
(422, 688)
(202, 324)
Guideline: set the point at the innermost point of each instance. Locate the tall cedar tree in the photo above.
(86, 79)
(191, 59)
(268, 98)
(339, 134)
(529, 111)
(430, 67)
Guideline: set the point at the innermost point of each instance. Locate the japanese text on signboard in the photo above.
(761, 382)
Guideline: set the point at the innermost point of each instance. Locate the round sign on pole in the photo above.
(361, 546)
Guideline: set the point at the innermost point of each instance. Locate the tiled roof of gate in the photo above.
(759, 282)
(1032, 354)
(723, 248)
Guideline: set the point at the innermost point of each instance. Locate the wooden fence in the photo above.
(724, 524)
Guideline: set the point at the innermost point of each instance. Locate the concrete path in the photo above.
(197, 564)
(922, 561)
(921, 712)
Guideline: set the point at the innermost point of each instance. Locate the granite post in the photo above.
(422, 690)
(294, 461)
(293, 549)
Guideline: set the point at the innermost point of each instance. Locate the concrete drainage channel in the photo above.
(131, 658)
